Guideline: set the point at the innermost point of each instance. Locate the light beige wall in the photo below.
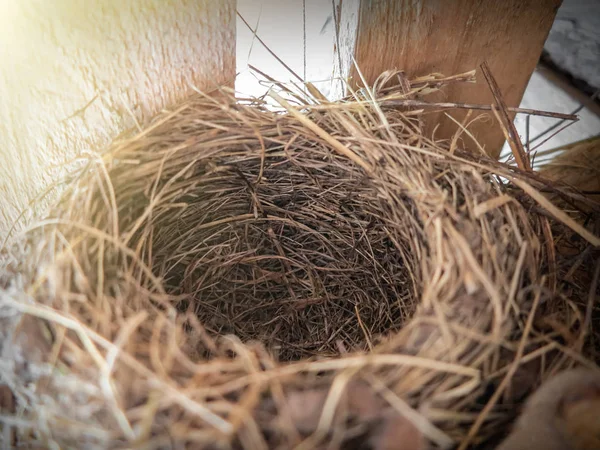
(115, 56)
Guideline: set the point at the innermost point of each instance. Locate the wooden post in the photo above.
(450, 37)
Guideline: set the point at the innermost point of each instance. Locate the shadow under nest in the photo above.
(233, 257)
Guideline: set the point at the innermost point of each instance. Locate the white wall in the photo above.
(119, 57)
(574, 40)
(543, 94)
(280, 24)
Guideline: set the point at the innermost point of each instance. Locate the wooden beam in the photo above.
(450, 37)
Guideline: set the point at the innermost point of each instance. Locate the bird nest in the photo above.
(226, 276)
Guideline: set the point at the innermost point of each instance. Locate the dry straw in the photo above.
(223, 279)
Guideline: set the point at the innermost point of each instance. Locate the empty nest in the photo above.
(224, 277)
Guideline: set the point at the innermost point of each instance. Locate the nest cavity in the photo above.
(228, 273)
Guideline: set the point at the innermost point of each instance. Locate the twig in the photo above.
(447, 105)
(508, 127)
(556, 125)
(269, 50)
(566, 125)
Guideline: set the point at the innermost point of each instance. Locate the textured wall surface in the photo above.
(74, 73)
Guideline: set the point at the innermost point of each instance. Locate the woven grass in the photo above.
(224, 278)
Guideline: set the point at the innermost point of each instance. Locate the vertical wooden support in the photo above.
(450, 37)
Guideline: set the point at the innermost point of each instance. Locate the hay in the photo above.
(577, 165)
(227, 276)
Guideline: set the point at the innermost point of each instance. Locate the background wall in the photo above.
(75, 73)
(574, 40)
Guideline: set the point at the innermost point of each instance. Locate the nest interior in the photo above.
(286, 247)
(226, 276)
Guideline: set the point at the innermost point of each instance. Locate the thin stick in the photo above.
(304, 36)
(527, 133)
(336, 23)
(508, 127)
(446, 105)
(566, 125)
(269, 50)
(556, 125)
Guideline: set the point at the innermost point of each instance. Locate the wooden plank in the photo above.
(75, 74)
(450, 37)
